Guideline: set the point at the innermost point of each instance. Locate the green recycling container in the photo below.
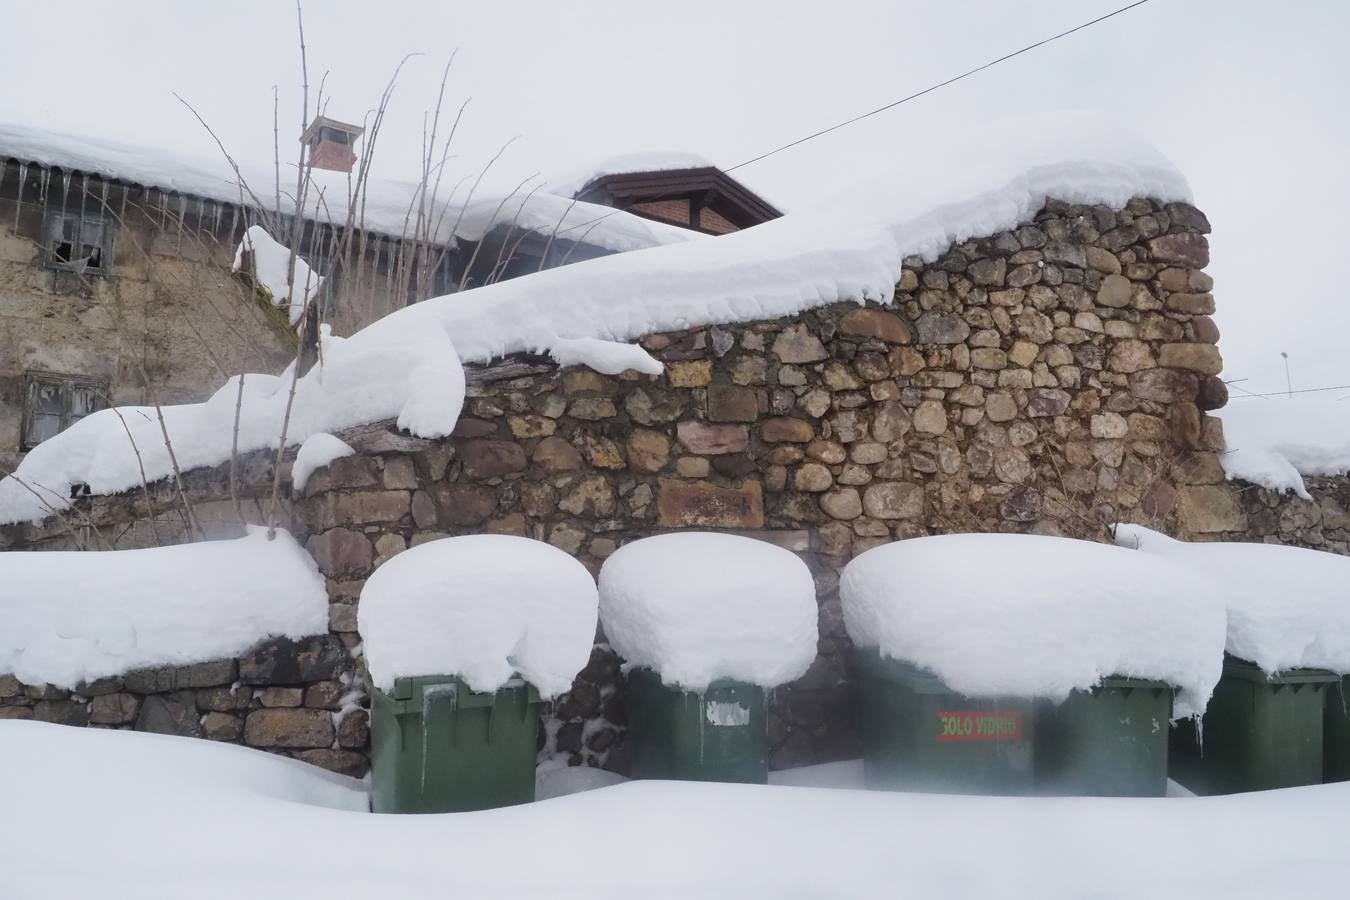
(1110, 741)
(1336, 733)
(1258, 733)
(436, 746)
(720, 734)
(920, 735)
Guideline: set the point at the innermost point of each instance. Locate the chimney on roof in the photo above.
(330, 144)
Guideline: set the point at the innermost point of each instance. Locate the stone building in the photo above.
(1054, 378)
(116, 281)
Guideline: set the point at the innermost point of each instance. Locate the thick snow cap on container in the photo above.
(1288, 607)
(1035, 616)
(67, 617)
(483, 607)
(696, 607)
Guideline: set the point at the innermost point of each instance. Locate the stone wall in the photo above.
(1321, 522)
(1051, 379)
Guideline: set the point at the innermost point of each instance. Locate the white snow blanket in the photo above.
(1288, 607)
(317, 451)
(663, 840)
(385, 208)
(271, 265)
(698, 606)
(1274, 442)
(1036, 616)
(67, 617)
(402, 366)
(484, 607)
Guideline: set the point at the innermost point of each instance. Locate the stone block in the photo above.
(283, 661)
(84, 688)
(219, 726)
(877, 324)
(592, 409)
(324, 694)
(732, 403)
(114, 709)
(224, 699)
(174, 713)
(281, 696)
(936, 328)
(399, 473)
(798, 345)
(484, 459)
(1186, 250)
(688, 504)
(1191, 304)
(341, 551)
(648, 451)
(555, 454)
(343, 762)
(289, 728)
(1203, 358)
(689, 373)
(465, 504)
(783, 429)
(894, 500)
(711, 440)
(1210, 509)
(651, 406)
(1163, 385)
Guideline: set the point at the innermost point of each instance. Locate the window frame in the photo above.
(67, 385)
(57, 217)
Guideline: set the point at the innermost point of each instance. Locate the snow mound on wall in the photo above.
(849, 250)
(384, 208)
(396, 370)
(77, 616)
(270, 262)
(482, 606)
(1287, 606)
(697, 606)
(317, 451)
(1274, 442)
(1035, 616)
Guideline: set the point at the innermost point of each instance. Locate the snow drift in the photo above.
(1288, 607)
(1036, 616)
(1274, 442)
(188, 799)
(67, 617)
(696, 606)
(484, 607)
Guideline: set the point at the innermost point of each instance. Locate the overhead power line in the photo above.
(942, 84)
(1316, 390)
(893, 104)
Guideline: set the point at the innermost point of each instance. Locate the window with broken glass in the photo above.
(52, 403)
(78, 242)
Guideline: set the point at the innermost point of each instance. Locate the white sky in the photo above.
(1248, 98)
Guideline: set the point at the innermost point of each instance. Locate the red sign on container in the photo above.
(992, 725)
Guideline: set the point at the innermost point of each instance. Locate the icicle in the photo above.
(201, 214)
(163, 211)
(106, 207)
(182, 221)
(65, 187)
(44, 177)
(234, 221)
(18, 197)
(84, 199)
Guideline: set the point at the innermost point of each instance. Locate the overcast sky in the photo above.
(1248, 98)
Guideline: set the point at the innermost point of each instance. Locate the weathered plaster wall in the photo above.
(170, 311)
(1050, 379)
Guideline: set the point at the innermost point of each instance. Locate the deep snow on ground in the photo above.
(224, 821)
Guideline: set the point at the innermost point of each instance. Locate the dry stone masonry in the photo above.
(1055, 378)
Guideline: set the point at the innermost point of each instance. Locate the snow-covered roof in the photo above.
(1036, 616)
(695, 607)
(851, 249)
(1287, 606)
(1275, 441)
(77, 616)
(626, 163)
(484, 607)
(387, 201)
